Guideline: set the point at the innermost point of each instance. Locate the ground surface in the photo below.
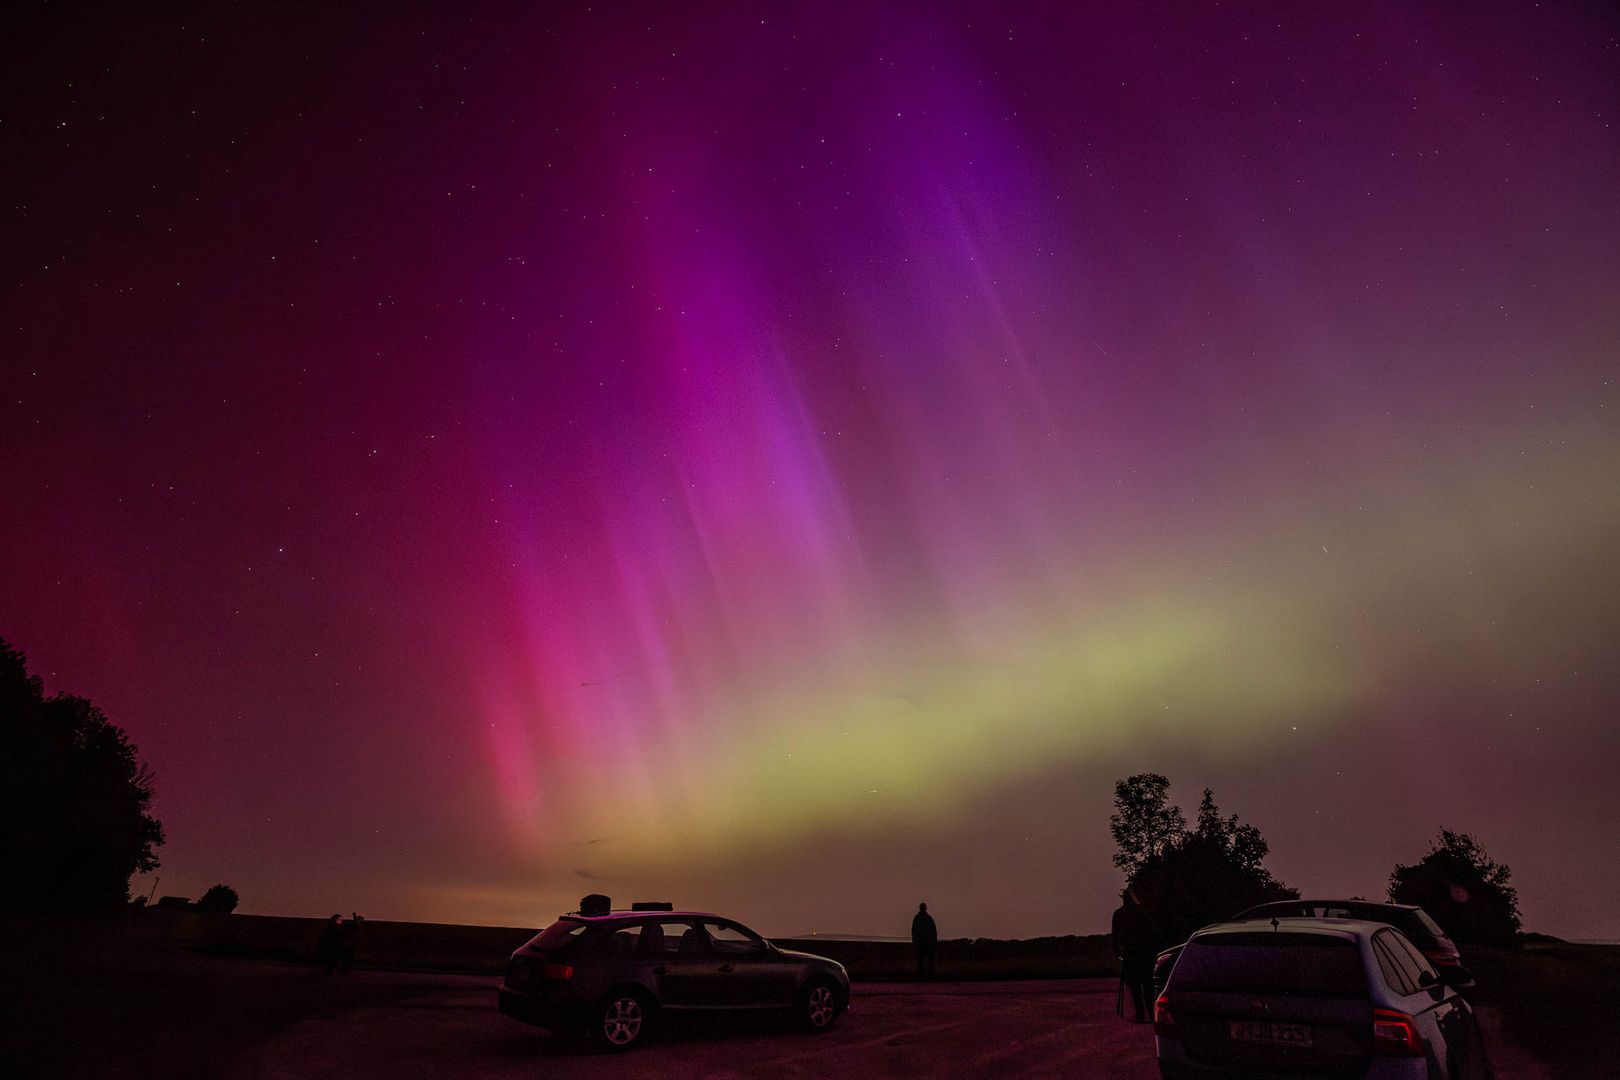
(112, 1008)
(447, 1028)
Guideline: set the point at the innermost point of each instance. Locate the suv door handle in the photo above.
(726, 967)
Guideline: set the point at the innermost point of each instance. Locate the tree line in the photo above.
(75, 820)
(1192, 876)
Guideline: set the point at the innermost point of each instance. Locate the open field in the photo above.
(114, 1000)
(404, 946)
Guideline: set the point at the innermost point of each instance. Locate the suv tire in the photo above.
(818, 1005)
(621, 1021)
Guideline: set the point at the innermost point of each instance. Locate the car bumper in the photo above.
(1174, 1064)
(540, 1011)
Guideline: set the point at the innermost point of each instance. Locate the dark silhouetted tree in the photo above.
(1187, 878)
(73, 800)
(220, 898)
(1245, 848)
(1463, 889)
(1143, 823)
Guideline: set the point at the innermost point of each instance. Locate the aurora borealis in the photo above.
(791, 461)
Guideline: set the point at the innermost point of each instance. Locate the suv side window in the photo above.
(669, 938)
(731, 940)
(1394, 972)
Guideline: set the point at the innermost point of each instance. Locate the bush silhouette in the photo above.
(220, 898)
(1462, 889)
(73, 800)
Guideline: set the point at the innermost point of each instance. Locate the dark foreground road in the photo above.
(445, 1027)
(109, 1009)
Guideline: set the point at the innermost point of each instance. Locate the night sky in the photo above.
(791, 463)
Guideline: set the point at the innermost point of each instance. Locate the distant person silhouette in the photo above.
(350, 941)
(329, 949)
(925, 939)
(1135, 942)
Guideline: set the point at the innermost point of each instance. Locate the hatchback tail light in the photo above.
(1163, 1022)
(1395, 1034)
(1442, 957)
(561, 972)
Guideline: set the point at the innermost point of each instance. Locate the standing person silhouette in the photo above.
(925, 939)
(1133, 935)
(329, 949)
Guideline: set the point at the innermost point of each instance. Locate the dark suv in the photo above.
(612, 974)
(1409, 919)
(1314, 998)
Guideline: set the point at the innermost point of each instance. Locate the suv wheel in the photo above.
(621, 1022)
(818, 1005)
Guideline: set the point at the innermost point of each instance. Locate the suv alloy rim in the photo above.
(821, 1006)
(621, 1023)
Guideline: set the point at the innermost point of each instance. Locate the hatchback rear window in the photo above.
(1272, 963)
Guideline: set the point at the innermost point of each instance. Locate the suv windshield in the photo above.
(1429, 924)
(1271, 963)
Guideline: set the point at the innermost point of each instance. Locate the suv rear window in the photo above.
(560, 934)
(1271, 963)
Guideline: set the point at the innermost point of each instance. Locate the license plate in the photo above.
(1262, 1031)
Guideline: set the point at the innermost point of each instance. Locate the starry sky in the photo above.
(791, 460)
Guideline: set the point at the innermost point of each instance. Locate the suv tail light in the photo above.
(1441, 957)
(1395, 1034)
(554, 971)
(1163, 1022)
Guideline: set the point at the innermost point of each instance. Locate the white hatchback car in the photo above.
(1313, 998)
